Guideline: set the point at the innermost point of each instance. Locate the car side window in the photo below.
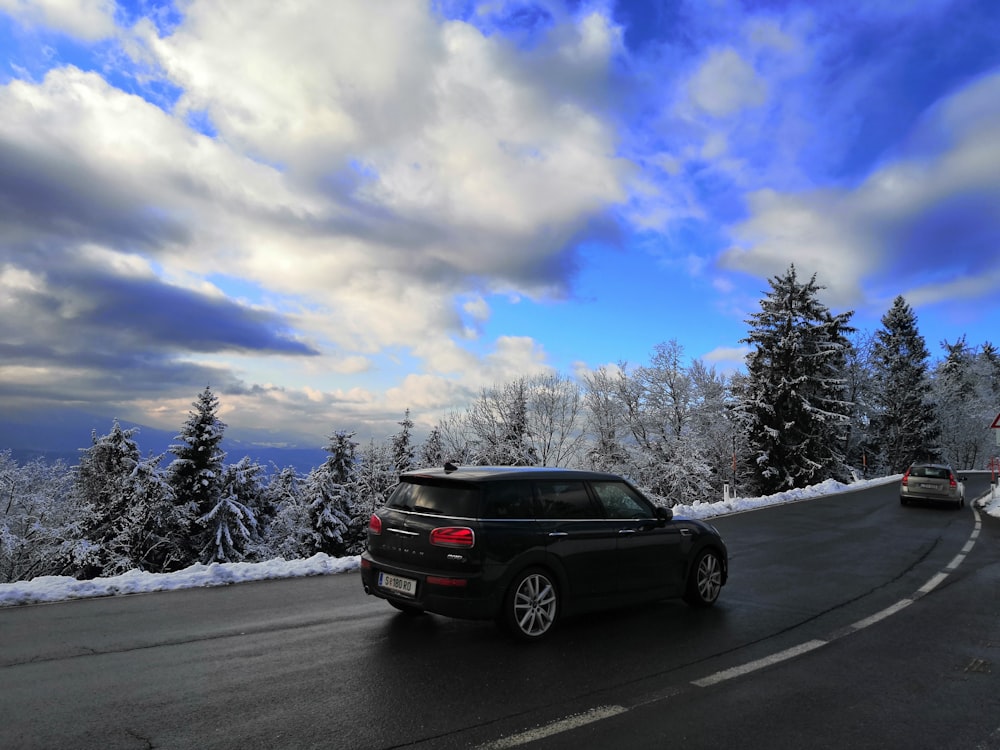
(620, 501)
(508, 500)
(563, 500)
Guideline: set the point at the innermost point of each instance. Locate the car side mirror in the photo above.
(663, 515)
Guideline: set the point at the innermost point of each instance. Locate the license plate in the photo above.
(929, 486)
(398, 584)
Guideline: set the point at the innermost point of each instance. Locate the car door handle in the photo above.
(622, 532)
(686, 532)
(557, 534)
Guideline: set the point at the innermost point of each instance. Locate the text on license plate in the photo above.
(929, 486)
(398, 584)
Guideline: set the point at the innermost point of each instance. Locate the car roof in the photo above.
(505, 473)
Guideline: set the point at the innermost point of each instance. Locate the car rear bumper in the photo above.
(441, 592)
(926, 497)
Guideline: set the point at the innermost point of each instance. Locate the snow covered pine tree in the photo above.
(794, 406)
(196, 473)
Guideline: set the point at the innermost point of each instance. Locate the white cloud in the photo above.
(366, 202)
(87, 19)
(926, 217)
(727, 355)
(725, 84)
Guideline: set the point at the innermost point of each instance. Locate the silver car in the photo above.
(932, 483)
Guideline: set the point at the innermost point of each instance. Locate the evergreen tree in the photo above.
(196, 473)
(153, 534)
(795, 406)
(231, 523)
(330, 497)
(102, 483)
(403, 453)
(904, 422)
(990, 359)
(129, 520)
(432, 450)
(377, 475)
(287, 534)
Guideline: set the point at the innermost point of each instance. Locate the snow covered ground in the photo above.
(59, 588)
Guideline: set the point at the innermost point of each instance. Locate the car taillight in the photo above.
(906, 476)
(952, 482)
(453, 536)
(375, 525)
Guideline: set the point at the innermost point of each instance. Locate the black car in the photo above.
(526, 546)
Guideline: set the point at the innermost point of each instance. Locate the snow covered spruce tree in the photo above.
(904, 425)
(377, 474)
(793, 402)
(231, 524)
(432, 450)
(403, 452)
(286, 532)
(196, 474)
(128, 520)
(331, 498)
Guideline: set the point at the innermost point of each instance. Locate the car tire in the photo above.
(903, 501)
(407, 609)
(705, 579)
(531, 605)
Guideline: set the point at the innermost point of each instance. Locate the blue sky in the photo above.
(332, 212)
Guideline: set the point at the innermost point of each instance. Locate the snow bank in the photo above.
(59, 588)
(741, 504)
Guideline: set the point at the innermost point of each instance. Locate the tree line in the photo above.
(818, 400)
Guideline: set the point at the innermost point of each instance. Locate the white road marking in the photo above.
(753, 666)
(887, 612)
(564, 725)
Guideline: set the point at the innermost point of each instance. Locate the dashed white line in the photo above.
(563, 725)
(753, 666)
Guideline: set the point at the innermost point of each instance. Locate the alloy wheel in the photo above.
(534, 604)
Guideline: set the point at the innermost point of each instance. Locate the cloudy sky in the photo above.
(335, 210)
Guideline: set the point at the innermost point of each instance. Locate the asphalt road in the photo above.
(848, 621)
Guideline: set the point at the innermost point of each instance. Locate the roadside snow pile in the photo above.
(990, 505)
(59, 588)
(740, 504)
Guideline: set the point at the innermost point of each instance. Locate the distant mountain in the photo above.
(61, 434)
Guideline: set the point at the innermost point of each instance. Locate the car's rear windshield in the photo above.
(930, 472)
(461, 501)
